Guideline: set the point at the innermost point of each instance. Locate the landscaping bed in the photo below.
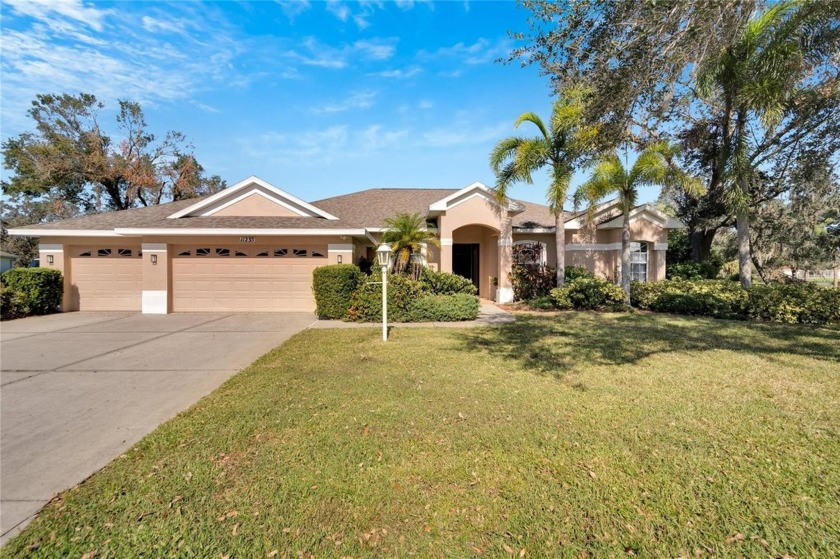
(563, 434)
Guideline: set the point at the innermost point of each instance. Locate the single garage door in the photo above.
(106, 278)
(245, 279)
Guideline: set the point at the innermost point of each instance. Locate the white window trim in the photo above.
(543, 246)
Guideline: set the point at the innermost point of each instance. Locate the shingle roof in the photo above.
(367, 208)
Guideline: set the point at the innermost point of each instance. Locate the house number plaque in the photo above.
(247, 239)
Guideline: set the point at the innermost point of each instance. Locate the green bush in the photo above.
(444, 283)
(589, 294)
(778, 302)
(333, 287)
(708, 269)
(443, 308)
(12, 304)
(366, 302)
(575, 272)
(39, 289)
(543, 303)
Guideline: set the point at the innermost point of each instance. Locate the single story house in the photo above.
(252, 246)
(7, 260)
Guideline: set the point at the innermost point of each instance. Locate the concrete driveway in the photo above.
(78, 389)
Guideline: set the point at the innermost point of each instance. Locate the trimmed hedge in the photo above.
(12, 304)
(777, 302)
(443, 308)
(34, 290)
(333, 287)
(589, 293)
(444, 283)
(412, 301)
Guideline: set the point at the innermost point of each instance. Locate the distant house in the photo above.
(252, 247)
(7, 260)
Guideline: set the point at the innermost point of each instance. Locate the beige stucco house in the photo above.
(252, 247)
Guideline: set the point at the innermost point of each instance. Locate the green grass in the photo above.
(568, 434)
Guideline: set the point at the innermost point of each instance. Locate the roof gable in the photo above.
(239, 199)
(474, 190)
(644, 212)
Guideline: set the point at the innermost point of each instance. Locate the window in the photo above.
(85, 253)
(103, 252)
(529, 253)
(280, 252)
(185, 253)
(300, 252)
(202, 252)
(316, 254)
(125, 252)
(222, 252)
(638, 261)
(240, 253)
(262, 253)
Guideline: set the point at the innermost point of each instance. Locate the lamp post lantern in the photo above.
(383, 253)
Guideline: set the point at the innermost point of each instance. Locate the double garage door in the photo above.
(244, 279)
(203, 278)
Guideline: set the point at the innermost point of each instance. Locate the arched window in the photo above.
(530, 252)
(638, 261)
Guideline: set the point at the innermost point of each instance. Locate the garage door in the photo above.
(245, 279)
(106, 278)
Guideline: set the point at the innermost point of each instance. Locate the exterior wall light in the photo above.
(50, 259)
(383, 254)
(339, 259)
(154, 259)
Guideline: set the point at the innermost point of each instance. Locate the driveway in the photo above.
(78, 389)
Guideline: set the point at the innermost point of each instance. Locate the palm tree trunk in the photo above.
(742, 226)
(560, 242)
(625, 253)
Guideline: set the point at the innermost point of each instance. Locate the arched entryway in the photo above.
(475, 255)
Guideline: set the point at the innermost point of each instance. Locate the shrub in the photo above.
(443, 308)
(532, 280)
(366, 302)
(715, 298)
(589, 294)
(444, 283)
(575, 272)
(12, 304)
(333, 287)
(708, 269)
(777, 302)
(39, 289)
(543, 303)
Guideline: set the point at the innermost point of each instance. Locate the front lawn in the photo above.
(570, 434)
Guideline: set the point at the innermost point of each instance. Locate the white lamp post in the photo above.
(383, 253)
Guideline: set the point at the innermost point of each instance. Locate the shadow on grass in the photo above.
(553, 344)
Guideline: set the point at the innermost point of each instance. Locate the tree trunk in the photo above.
(742, 226)
(560, 242)
(701, 244)
(625, 254)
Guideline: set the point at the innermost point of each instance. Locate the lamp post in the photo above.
(383, 253)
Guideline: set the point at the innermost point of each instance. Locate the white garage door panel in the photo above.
(243, 284)
(106, 284)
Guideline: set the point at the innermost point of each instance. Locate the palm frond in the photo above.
(534, 119)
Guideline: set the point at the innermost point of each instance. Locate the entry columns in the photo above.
(505, 289)
(52, 255)
(155, 278)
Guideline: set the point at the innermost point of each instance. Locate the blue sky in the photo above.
(318, 98)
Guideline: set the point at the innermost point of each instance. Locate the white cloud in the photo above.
(376, 49)
(48, 10)
(338, 9)
(462, 134)
(400, 73)
(155, 25)
(480, 52)
(425, 105)
(293, 8)
(356, 100)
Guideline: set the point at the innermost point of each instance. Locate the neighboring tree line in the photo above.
(69, 166)
(732, 107)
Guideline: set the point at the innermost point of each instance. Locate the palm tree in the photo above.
(406, 234)
(560, 147)
(755, 78)
(653, 167)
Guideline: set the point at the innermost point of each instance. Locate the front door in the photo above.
(465, 261)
